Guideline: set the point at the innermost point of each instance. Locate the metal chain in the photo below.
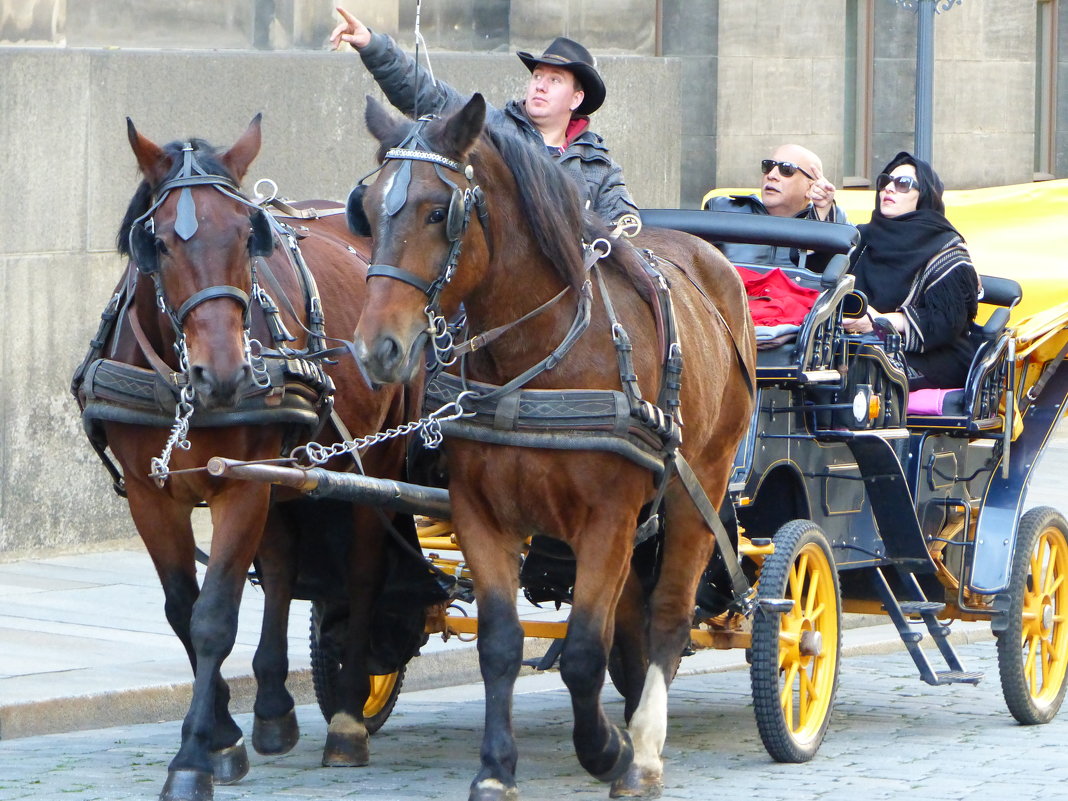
(183, 410)
(429, 428)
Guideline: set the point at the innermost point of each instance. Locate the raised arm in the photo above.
(397, 73)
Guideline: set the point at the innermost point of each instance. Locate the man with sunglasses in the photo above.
(563, 90)
(793, 186)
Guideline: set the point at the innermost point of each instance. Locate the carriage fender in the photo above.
(995, 533)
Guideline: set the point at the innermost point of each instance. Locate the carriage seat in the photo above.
(807, 353)
(978, 405)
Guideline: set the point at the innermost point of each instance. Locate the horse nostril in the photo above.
(388, 353)
(200, 377)
(243, 377)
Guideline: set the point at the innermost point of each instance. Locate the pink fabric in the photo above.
(774, 299)
(927, 401)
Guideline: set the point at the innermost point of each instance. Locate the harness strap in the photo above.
(400, 274)
(211, 293)
(577, 329)
(486, 337)
(734, 341)
(739, 583)
(624, 350)
(164, 370)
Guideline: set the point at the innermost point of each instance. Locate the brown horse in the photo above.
(203, 258)
(519, 261)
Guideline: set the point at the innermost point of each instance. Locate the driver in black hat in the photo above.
(564, 89)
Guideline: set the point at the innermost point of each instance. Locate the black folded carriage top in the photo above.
(755, 229)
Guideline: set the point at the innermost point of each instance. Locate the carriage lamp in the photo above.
(866, 405)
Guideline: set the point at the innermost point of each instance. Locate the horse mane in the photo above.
(207, 157)
(552, 205)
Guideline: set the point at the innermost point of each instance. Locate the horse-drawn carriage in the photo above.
(837, 494)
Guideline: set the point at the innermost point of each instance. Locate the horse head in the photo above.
(430, 249)
(193, 233)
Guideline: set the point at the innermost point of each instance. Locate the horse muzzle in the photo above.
(387, 359)
(220, 389)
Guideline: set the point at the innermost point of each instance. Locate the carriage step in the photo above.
(921, 607)
(958, 677)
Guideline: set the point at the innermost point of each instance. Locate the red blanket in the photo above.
(774, 299)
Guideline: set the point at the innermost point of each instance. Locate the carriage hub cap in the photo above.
(811, 643)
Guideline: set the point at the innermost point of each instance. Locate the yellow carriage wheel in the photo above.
(796, 643)
(1033, 636)
(384, 691)
(326, 670)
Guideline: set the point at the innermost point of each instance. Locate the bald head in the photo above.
(787, 195)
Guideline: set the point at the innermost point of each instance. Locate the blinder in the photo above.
(143, 249)
(354, 211)
(262, 241)
(459, 213)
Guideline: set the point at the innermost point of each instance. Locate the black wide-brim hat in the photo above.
(570, 55)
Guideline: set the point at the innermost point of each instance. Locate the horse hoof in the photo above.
(346, 750)
(493, 790)
(637, 782)
(229, 765)
(187, 785)
(624, 760)
(274, 736)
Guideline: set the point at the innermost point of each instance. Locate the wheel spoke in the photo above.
(809, 694)
(787, 696)
(1058, 580)
(1030, 668)
(797, 573)
(813, 589)
(1047, 655)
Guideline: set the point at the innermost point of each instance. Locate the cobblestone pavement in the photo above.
(892, 737)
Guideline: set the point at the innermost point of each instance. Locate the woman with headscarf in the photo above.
(914, 269)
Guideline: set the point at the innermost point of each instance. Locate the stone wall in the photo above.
(68, 175)
(779, 81)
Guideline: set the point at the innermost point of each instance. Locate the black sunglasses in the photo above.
(903, 184)
(786, 168)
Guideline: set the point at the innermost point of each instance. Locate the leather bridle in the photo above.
(142, 238)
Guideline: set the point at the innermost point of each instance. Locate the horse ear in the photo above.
(143, 249)
(262, 241)
(463, 128)
(354, 212)
(238, 158)
(151, 159)
(381, 122)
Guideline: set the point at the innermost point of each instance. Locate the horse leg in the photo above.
(347, 739)
(629, 657)
(238, 517)
(494, 562)
(165, 528)
(602, 565)
(275, 729)
(687, 543)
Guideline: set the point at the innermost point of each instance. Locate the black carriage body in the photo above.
(831, 440)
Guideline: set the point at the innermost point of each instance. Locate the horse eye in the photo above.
(436, 216)
(161, 247)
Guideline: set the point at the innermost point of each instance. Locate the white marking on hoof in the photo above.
(344, 723)
(648, 726)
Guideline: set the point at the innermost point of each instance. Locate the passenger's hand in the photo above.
(821, 195)
(858, 325)
(351, 30)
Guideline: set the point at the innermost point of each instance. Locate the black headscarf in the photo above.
(893, 249)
